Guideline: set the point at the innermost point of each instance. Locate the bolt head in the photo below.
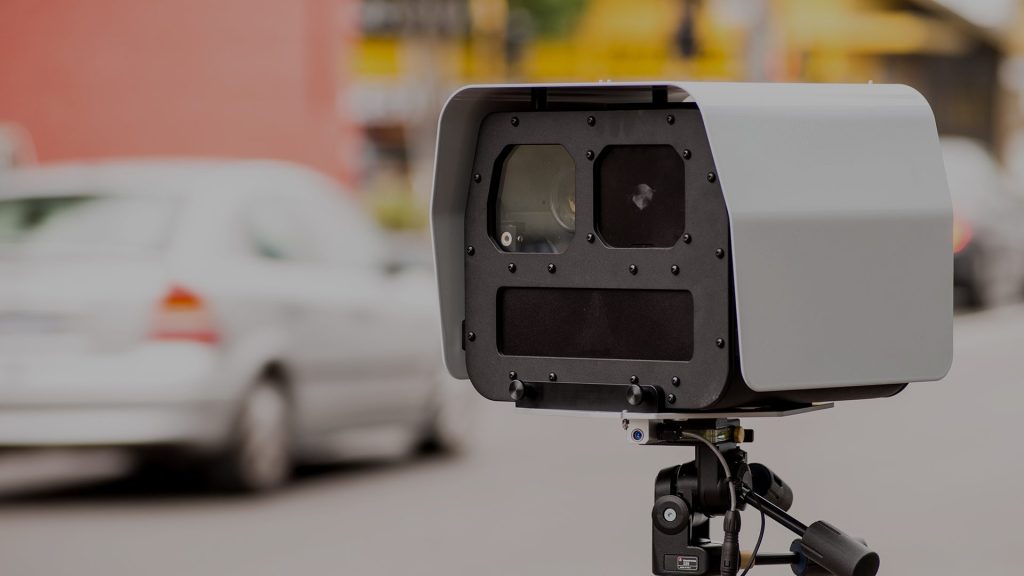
(591, 120)
(471, 336)
(515, 121)
(512, 375)
(670, 119)
(671, 398)
(552, 376)
(635, 395)
(719, 253)
(512, 267)
(720, 343)
(675, 270)
(712, 177)
(590, 154)
(633, 269)
(687, 238)
(590, 238)
(552, 268)
(470, 250)
(634, 379)
(669, 515)
(477, 178)
(687, 154)
(675, 380)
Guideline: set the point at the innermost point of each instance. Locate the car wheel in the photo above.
(972, 296)
(451, 419)
(259, 457)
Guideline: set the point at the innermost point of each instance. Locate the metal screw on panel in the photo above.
(712, 177)
(675, 380)
(471, 336)
(515, 121)
(719, 253)
(675, 270)
(552, 376)
(517, 390)
(633, 269)
(669, 515)
(590, 154)
(720, 343)
(477, 178)
(512, 375)
(590, 238)
(687, 238)
(635, 395)
(671, 398)
(552, 268)
(634, 379)
(591, 120)
(670, 119)
(470, 250)
(512, 267)
(687, 154)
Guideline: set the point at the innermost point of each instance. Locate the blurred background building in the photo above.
(962, 55)
(90, 80)
(353, 87)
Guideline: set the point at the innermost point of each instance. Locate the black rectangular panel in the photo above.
(596, 323)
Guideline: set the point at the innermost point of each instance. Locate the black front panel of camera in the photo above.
(513, 270)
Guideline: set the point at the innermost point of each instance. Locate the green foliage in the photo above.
(551, 17)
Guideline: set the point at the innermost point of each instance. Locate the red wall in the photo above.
(252, 78)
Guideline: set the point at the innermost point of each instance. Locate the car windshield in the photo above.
(86, 222)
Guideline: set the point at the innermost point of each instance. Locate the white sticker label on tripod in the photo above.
(687, 563)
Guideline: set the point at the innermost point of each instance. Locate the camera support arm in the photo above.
(688, 495)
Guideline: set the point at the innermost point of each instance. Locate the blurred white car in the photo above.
(988, 226)
(245, 313)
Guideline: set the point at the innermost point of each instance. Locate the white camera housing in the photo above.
(839, 238)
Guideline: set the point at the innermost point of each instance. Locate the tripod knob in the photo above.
(767, 484)
(671, 514)
(837, 552)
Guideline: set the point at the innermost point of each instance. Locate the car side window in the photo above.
(350, 237)
(276, 230)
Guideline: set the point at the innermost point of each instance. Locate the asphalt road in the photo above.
(929, 478)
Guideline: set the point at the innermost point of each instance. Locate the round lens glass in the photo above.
(535, 204)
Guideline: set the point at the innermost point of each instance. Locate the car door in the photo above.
(381, 348)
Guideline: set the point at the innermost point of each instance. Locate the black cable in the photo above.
(721, 460)
(757, 546)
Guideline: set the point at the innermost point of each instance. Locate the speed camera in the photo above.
(663, 247)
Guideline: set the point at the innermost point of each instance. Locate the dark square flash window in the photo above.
(640, 196)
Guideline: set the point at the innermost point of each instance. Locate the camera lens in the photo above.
(534, 208)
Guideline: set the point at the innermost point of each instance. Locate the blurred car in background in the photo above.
(988, 239)
(242, 314)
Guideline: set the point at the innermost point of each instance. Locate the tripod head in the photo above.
(720, 482)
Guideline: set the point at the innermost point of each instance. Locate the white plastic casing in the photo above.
(840, 220)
